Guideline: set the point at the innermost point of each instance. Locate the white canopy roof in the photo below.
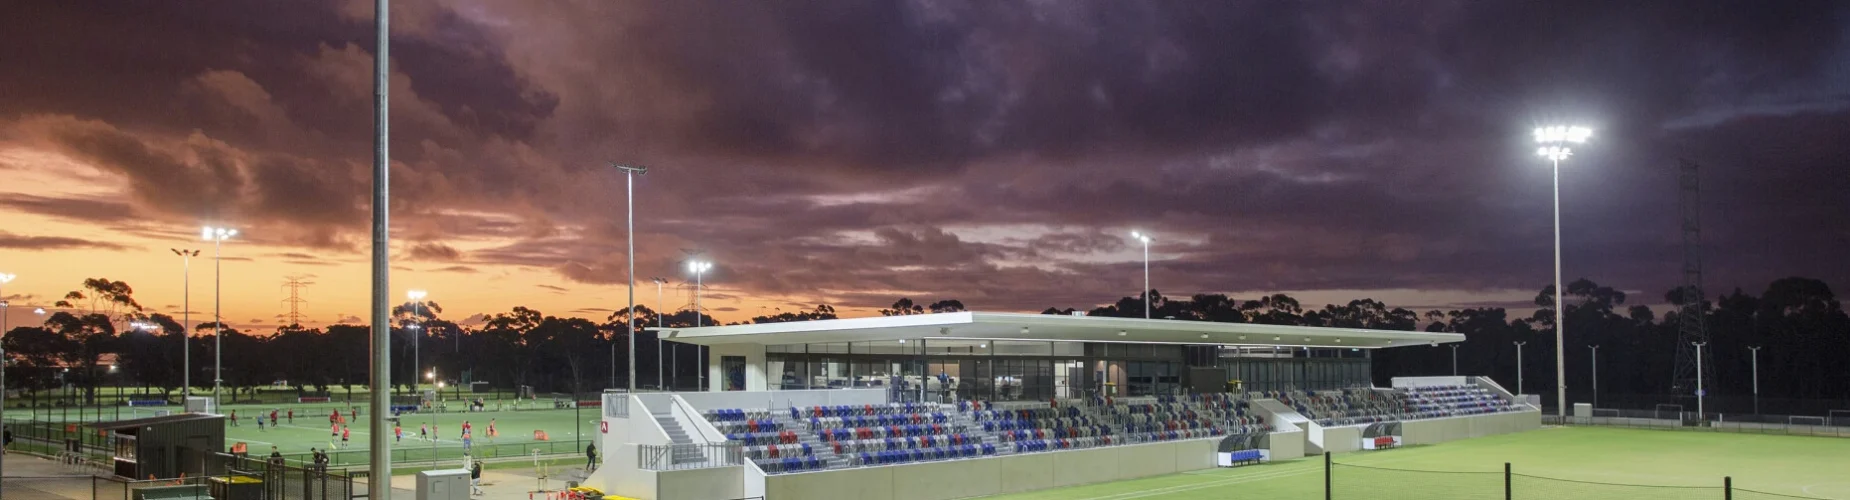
(1047, 327)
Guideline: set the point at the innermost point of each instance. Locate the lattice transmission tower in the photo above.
(1691, 327)
(295, 284)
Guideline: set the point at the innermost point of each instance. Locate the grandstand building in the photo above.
(956, 405)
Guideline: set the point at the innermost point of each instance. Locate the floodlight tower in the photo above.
(217, 235)
(1554, 145)
(629, 185)
(417, 332)
(1145, 239)
(699, 268)
(186, 312)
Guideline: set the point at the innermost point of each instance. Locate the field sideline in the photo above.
(1813, 467)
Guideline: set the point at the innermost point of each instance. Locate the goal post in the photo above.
(1838, 418)
(1805, 420)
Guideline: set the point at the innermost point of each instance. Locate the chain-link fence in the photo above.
(1349, 481)
(1835, 423)
(245, 478)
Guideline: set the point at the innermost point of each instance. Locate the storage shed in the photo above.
(167, 446)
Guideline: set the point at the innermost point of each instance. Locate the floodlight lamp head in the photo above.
(1562, 134)
(7, 277)
(416, 294)
(1554, 153)
(634, 169)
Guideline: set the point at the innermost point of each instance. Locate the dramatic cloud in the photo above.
(40, 243)
(997, 153)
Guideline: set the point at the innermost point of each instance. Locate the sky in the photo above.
(851, 153)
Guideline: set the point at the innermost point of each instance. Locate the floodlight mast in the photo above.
(380, 470)
(1554, 145)
(629, 322)
(1145, 239)
(217, 235)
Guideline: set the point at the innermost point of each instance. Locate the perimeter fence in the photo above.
(1350, 481)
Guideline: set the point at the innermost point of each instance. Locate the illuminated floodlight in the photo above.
(1562, 134)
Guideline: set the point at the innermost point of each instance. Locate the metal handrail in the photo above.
(689, 456)
(617, 405)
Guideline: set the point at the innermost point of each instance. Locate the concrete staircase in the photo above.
(677, 435)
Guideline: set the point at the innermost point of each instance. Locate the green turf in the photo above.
(1812, 467)
(310, 430)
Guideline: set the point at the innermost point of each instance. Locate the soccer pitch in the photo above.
(1807, 467)
(311, 430)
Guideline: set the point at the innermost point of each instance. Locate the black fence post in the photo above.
(1326, 476)
(1506, 481)
(1727, 488)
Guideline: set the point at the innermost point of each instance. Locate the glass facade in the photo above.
(1005, 370)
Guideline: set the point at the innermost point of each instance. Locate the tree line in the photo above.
(1798, 322)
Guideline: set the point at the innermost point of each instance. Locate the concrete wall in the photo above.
(996, 475)
(1287, 445)
(778, 400)
(1400, 382)
(754, 366)
(1439, 430)
(717, 483)
(1342, 439)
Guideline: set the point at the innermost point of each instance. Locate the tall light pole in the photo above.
(1519, 367)
(5, 308)
(1595, 349)
(699, 268)
(629, 187)
(380, 453)
(1756, 350)
(186, 324)
(660, 376)
(1454, 359)
(1700, 394)
(217, 235)
(417, 335)
(1553, 143)
(1145, 239)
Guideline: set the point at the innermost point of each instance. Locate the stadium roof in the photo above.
(1048, 327)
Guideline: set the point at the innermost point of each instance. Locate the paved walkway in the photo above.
(29, 477)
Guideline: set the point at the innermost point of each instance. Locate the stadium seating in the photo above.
(799, 439)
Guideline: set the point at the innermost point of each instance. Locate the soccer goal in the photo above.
(1804, 420)
(1838, 418)
(1667, 412)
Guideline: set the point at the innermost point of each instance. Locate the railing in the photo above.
(617, 404)
(688, 456)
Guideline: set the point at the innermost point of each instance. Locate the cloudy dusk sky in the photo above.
(855, 152)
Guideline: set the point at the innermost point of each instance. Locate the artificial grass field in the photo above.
(1806, 467)
(310, 430)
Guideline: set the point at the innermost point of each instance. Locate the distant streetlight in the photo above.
(660, 376)
(417, 332)
(1756, 350)
(1700, 394)
(699, 268)
(1554, 145)
(1145, 238)
(1519, 367)
(217, 235)
(5, 307)
(186, 322)
(1595, 349)
(629, 198)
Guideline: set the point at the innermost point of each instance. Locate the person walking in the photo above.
(475, 478)
(591, 456)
